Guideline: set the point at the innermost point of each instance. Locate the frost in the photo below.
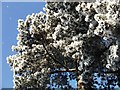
(69, 32)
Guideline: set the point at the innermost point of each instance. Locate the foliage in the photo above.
(77, 37)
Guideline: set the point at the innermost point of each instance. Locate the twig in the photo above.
(60, 71)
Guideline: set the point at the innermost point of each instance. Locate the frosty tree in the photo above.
(72, 40)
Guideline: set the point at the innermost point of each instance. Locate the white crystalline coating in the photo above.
(42, 71)
(86, 63)
(89, 5)
(54, 35)
(100, 17)
(65, 28)
(58, 27)
(108, 66)
(56, 14)
(78, 8)
(67, 32)
(75, 38)
(91, 26)
(114, 1)
(105, 38)
(80, 66)
(76, 43)
(87, 19)
(36, 73)
(60, 43)
(113, 57)
(114, 49)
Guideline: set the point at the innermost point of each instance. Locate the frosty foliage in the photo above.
(69, 32)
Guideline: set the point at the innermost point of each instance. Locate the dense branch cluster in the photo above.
(73, 36)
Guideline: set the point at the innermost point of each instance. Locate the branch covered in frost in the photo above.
(80, 35)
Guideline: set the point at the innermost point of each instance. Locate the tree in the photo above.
(72, 40)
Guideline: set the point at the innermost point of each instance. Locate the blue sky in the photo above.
(11, 12)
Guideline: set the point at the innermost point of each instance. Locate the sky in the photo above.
(11, 12)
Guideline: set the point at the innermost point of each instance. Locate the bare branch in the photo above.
(112, 72)
(61, 71)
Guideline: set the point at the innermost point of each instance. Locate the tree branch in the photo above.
(60, 71)
(95, 62)
(43, 39)
(114, 72)
(109, 72)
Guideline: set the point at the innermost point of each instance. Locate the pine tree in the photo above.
(71, 40)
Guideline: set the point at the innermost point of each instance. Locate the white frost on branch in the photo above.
(75, 31)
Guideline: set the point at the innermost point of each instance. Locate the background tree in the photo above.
(72, 40)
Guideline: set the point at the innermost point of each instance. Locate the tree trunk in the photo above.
(81, 85)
